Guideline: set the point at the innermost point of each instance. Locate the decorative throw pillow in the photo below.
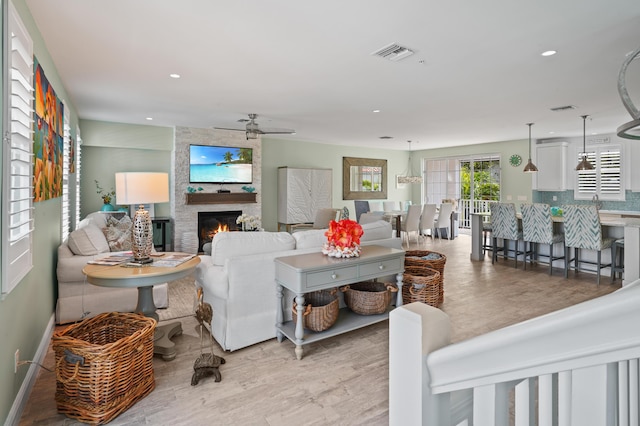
(87, 241)
(118, 233)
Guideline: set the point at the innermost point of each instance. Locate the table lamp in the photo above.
(142, 188)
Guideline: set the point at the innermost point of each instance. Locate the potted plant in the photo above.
(106, 197)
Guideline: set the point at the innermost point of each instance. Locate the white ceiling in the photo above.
(307, 65)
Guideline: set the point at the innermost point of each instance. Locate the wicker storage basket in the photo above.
(104, 365)
(415, 258)
(368, 297)
(421, 284)
(321, 310)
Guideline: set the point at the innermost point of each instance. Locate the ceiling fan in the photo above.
(253, 129)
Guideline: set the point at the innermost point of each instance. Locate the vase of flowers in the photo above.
(106, 197)
(343, 239)
(248, 222)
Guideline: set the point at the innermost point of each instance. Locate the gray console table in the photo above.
(304, 273)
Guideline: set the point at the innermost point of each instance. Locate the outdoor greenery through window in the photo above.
(474, 182)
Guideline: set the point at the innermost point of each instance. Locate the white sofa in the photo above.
(77, 298)
(238, 278)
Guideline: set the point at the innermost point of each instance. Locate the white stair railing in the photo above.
(576, 366)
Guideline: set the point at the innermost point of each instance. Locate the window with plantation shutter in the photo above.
(77, 156)
(66, 207)
(605, 180)
(17, 169)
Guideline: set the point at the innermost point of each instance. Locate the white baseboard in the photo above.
(30, 379)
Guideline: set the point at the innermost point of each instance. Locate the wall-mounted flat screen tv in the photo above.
(220, 164)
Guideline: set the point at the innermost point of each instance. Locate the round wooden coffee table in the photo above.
(143, 278)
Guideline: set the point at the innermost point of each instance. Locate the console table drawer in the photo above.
(375, 268)
(326, 278)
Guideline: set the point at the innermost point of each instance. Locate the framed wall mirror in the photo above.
(364, 178)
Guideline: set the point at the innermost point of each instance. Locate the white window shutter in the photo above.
(18, 158)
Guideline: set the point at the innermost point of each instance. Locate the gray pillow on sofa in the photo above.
(87, 241)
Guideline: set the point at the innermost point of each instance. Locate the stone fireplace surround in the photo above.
(186, 215)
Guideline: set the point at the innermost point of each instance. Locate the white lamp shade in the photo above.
(142, 188)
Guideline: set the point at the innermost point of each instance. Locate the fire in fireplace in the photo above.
(210, 223)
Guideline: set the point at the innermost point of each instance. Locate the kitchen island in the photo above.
(616, 224)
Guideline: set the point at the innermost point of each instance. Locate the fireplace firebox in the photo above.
(210, 223)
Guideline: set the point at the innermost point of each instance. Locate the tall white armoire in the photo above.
(301, 192)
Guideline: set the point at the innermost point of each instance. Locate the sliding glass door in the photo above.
(473, 181)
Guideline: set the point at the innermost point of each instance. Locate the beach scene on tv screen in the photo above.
(220, 164)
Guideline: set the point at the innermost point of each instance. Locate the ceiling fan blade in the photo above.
(276, 131)
(228, 128)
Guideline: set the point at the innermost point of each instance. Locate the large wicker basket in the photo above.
(368, 297)
(420, 284)
(104, 365)
(320, 311)
(434, 260)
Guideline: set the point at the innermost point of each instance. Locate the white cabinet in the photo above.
(301, 192)
(551, 160)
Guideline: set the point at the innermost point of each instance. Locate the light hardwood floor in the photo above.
(342, 380)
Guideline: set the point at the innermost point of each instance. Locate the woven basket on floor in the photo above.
(321, 310)
(104, 365)
(415, 258)
(420, 284)
(368, 297)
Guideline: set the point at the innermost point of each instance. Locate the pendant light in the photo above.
(584, 164)
(409, 177)
(530, 167)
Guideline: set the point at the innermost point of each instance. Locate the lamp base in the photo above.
(142, 241)
(142, 261)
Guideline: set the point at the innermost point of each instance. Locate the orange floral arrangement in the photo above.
(343, 239)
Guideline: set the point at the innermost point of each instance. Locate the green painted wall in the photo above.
(515, 184)
(277, 153)
(26, 311)
(110, 148)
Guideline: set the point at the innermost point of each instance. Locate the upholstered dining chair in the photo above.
(583, 231)
(412, 222)
(427, 219)
(361, 206)
(537, 228)
(444, 219)
(504, 226)
(391, 206)
(321, 221)
(376, 206)
(370, 217)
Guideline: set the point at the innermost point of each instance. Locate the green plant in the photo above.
(106, 196)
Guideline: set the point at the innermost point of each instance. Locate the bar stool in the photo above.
(504, 225)
(582, 230)
(486, 234)
(537, 228)
(618, 248)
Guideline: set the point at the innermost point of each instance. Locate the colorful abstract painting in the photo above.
(47, 139)
(72, 156)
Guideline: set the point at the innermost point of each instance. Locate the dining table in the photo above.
(619, 226)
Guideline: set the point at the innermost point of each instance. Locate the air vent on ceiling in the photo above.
(598, 140)
(393, 52)
(386, 137)
(563, 108)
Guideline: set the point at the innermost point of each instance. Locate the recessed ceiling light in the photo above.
(386, 137)
(150, 118)
(174, 75)
(551, 133)
(549, 53)
(376, 110)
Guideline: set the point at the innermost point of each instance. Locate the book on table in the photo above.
(112, 259)
(168, 260)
